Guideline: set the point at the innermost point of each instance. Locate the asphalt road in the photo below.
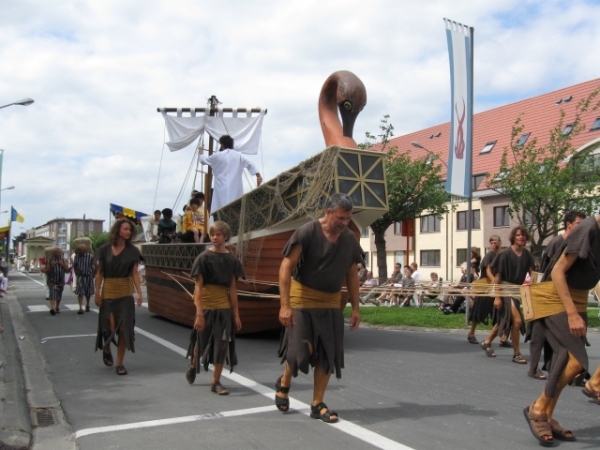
(400, 390)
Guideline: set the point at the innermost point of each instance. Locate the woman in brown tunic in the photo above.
(116, 277)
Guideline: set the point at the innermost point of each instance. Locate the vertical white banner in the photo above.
(460, 49)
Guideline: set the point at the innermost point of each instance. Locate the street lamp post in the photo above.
(24, 102)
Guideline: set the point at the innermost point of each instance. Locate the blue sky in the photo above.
(99, 70)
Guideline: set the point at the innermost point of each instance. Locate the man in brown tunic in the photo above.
(575, 272)
(319, 258)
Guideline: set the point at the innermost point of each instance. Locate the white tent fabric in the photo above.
(245, 131)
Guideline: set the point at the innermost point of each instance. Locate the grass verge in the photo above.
(430, 317)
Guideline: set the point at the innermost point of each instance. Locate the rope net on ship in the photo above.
(294, 194)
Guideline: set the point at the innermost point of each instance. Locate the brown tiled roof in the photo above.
(539, 115)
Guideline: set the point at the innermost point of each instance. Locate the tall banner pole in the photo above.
(460, 153)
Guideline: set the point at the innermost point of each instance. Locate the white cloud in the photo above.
(98, 70)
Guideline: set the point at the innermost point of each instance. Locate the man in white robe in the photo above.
(228, 166)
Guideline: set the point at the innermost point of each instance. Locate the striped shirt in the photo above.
(83, 264)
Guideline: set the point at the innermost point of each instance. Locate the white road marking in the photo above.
(67, 336)
(174, 420)
(354, 430)
(38, 308)
(71, 306)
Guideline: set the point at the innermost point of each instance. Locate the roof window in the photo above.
(567, 129)
(568, 99)
(488, 147)
(522, 139)
(596, 125)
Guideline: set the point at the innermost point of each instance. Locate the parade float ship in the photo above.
(263, 219)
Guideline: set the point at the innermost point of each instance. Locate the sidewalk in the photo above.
(30, 415)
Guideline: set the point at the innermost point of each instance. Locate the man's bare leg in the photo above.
(594, 381)
(488, 340)
(472, 330)
(516, 328)
(286, 380)
(321, 380)
(545, 405)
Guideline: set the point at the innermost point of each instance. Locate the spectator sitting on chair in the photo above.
(362, 274)
(395, 278)
(460, 299)
(415, 272)
(403, 297)
(433, 288)
(367, 287)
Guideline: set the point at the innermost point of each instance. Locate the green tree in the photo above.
(414, 186)
(557, 179)
(99, 238)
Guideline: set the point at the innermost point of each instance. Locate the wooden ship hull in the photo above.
(262, 221)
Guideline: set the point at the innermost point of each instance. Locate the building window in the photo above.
(488, 147)
(399, 257)
(430, 258)
(522, 139)
(501, 216)
(477, 181)
(596, 125)
(430, 223)
(397, 227)
(62, 227)
(364, 232)
(461, 256)
(79, 225)
(91, 226)
(567, 129)
(366, 258)
(62, 242)
(461, 220)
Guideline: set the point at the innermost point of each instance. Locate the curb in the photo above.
(15, 422)
(40, 397)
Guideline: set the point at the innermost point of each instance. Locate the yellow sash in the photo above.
(215, 297)
(304, 297)
(117, 287)
(546, 301)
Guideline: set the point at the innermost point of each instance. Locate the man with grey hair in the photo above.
(319, 257)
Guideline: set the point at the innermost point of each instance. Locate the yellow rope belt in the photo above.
(117, 287)
(215, 297)
(304, 297)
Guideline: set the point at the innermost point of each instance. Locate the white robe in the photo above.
(228, 167)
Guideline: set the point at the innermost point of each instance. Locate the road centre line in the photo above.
(354, 430)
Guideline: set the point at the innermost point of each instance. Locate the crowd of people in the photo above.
(321, 257)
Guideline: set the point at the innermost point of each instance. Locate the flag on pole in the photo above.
(460, 48)
(15, 216)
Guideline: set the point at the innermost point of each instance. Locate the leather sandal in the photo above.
(107, 358)
(282, 404)
(121, 370)
(560, 432)
(190, 375)
(218, 388)
(315, 413)
(588, 391)
(487, 348)
(518, 358)
(538, 375)
(539, 426)
(472, 340)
